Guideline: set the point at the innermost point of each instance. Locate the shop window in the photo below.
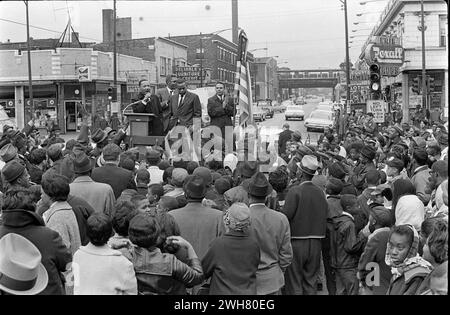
(162, 65)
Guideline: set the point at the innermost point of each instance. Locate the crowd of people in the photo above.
(362, 214)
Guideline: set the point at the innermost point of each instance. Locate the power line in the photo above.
(45, 29)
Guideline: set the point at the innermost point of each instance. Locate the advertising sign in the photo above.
(132, 82)
(84, 74)
(193, 74)
(385, 54)
(378, 109)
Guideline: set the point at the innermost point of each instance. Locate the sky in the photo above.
(303, 34)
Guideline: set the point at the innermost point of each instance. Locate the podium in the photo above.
(140, 131)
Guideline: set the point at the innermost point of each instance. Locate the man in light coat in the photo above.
(165, 95)
(421, 175)
(100, 196)
(272, 232)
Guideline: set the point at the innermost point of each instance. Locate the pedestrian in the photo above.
(124, 211)
(99, 195)
(60, 217)
(221, 109)
(272, 232)
(185, 106)
(154, 194)
(233, 258)
(118, 178)
(165, 95)
(98, 269)
(421, 175)
(408, 208)
(221, 186)
(156, 173)
(244, 171)
(142, 180)
(178, 177)
(407, 267)
(357, 178)
(159, 273)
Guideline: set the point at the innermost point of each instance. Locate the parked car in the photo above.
(319, 120)
(294, 112)
(266, 105)
(285, 104)
(259, 114)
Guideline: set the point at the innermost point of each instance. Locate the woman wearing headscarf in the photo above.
(409, 209)
(407, 267)
(233, 258)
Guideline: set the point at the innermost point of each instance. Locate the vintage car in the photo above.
(319, 120)
(294, 112)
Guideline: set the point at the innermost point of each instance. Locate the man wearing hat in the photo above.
(394, 135)
(99, 195)
(245, 170)
(272, 232)
(110, 173)
(100, 138)
(198, 224)
(306, 209)
(60, 164)
(443, 143)
(357, 178)
(15, 176)
(394, 169)
(7, 153)
(178, 177)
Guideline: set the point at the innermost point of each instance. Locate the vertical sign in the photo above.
(377, 108)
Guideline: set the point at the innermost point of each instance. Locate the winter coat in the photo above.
(345, 245)
(359, 175)
(409, 283)
(232, 262)
(118, 178)
(420, 182)
(61, 218)
(55, 255)
(375, 252)
(103, 271)
(306, 209)
(164, 274)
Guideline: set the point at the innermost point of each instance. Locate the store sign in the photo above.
(84, 74)
(132, 83)
(360, 77)
(193, 74)
(377, 108)
(385, 54)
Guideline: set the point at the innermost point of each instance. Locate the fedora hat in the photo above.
(259, 186)
(368, 152)
(309, 165)
(83, 136)
(195, 187)
(12, 171)
(21, 269)
(82, 163)
(8, 152)
(98, 136)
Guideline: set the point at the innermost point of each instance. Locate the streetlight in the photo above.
(30, 84)
(423, 28)
(347, 62)
(364, 13)
(364, 2)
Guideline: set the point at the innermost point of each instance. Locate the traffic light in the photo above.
(416, 85)
(112, 93)
(430, 84)
(375, 78)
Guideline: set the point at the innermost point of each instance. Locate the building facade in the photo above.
(213, 52)
(67, 81)
(166, 53)
(400, 20)
(265, 79)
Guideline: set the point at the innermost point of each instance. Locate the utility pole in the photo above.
(30, 83)
(235, 21)
(347, 57)
(114, 61)
(424, 72)
(201, 60)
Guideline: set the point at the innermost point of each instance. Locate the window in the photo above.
(169, 65)
(324, 75)
(162, 65)
(443, 25)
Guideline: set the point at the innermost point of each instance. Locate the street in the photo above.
(278, 120)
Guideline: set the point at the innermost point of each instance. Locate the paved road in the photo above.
(278, 120)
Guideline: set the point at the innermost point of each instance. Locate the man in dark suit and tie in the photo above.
(284, 137)
(221, 109)
(185, 106)
(149, 103)
(164, 95)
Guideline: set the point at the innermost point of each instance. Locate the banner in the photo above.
(378, 109)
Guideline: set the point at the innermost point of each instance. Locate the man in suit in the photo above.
(164, 95)
(118, 178)
(220, 109)
(284, 137)
(149, 103)
(185, 106)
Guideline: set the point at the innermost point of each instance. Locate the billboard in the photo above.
(378, 108)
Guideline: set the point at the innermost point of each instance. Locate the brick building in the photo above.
(219, 55)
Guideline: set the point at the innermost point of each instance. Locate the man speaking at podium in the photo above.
(148, 103)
